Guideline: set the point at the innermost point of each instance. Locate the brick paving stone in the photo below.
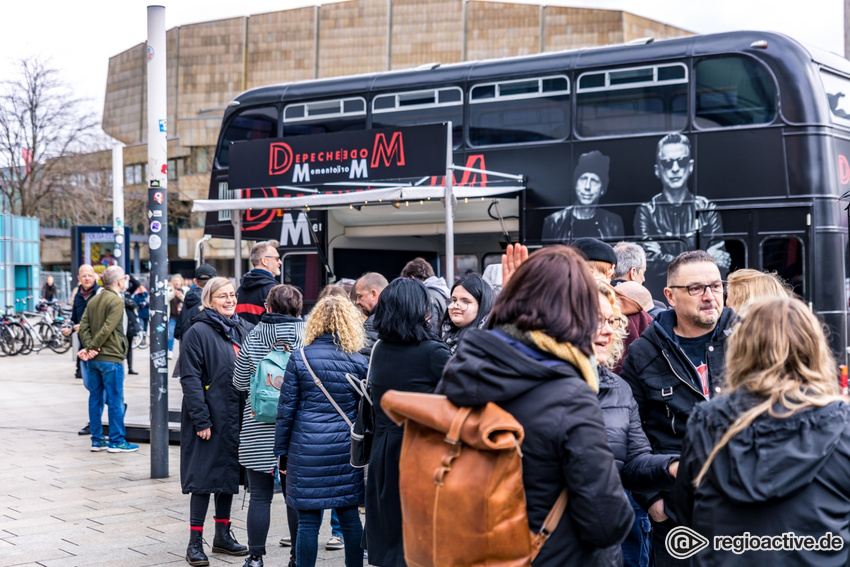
(63, 506)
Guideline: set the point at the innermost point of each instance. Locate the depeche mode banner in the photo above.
(364, 155)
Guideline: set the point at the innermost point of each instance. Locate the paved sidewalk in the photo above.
(63, 506)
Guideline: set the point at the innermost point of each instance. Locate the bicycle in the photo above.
(141, 340)
(15, 338)
(52, 325)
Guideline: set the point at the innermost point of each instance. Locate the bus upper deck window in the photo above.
(733, 91)
(416, 108)
(633, 100)
(323, 116)
(253, 124)
(520, 111)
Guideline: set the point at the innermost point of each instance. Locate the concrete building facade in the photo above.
(209, 63)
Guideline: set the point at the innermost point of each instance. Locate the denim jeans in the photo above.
(172, 324)
(336, 531)
(308, 536)
(106, 378)
(637, 549)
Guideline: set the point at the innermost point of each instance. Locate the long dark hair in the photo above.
(401, 314)
(552, 292)
(483, 294)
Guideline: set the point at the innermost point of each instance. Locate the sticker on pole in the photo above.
(157, 197)
(151, 53)
(163, 127)
(154, 242)
(156, 226)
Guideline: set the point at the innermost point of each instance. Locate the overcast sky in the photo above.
(80, 37)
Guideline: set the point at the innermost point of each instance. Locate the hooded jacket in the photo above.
(565, 441)
(664, 381)
(191, 307)
(778, 475)
(252, 293)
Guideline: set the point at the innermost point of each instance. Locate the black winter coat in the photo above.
(252, 293)
(191, 307)
(207, 357)
(133, 325)
(779, 475)
(665, 383)
(565, 442)
(408, 367)
(639, 468)
(312, 434)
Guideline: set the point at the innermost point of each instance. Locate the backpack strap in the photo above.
(549, 524)
(321, 386)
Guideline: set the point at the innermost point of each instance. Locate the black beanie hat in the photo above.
(593, 162)
(597, 250)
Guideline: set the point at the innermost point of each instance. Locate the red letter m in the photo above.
(382, 151)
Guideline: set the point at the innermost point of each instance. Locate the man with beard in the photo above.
(255, 285)
(677, 363)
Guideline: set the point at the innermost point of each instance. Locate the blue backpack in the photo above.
(266, 382)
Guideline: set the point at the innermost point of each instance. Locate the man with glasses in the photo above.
(677, 363)
(255, 285)
(676, 213)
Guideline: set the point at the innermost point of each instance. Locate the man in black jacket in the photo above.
(677, 363)
(192, 300)
(255, 285)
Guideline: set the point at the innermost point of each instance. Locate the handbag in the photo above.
(362, 434)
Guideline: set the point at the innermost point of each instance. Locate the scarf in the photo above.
(86, 294)
(452, 335)
(564, 351)
(230, 327)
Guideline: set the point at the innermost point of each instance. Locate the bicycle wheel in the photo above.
(60, 342)
(23, 340)
(7, 342)
(141, 341)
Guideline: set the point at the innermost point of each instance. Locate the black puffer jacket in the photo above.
(639, 468)
(666, 384)
(565, 442)
(252, 293)
(779, 475)
(207, 357)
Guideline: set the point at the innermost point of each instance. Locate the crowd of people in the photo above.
(716, 410)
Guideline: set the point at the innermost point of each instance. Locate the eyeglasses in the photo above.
(699, 289)
(611, 322)
(462, 304)
(274, 257)
(682, 162)
(225, 297)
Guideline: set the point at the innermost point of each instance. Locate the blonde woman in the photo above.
(772, 454)
(745, 285)
(312, 440)
(640, 470)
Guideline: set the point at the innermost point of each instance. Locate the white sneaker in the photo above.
(334, 543)
(170, 355)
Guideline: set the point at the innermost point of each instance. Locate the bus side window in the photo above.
(733, 91)
(632, 101)
(785, 256)
(255, 124)
(417, 108)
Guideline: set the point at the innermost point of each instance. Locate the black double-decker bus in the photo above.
(734, 143)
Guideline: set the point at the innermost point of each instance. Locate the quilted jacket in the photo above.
(311, 433)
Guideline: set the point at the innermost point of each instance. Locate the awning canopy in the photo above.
(365, 197)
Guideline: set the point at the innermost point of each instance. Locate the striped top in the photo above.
(256, 440)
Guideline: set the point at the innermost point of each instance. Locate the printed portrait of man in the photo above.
(585, 217)
(676, 213)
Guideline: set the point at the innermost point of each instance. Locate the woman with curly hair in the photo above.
(312, 440)
(640, 470)
(770, 455)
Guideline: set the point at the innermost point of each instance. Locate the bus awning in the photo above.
(354, 198)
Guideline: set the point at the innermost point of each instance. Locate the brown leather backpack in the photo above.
(460, 477)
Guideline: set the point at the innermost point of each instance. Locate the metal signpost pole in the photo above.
(158, 240)
(450, 210)
(121, 248)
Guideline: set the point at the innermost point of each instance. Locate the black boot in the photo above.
(254, 561)
(195, 552)
(224, 542)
